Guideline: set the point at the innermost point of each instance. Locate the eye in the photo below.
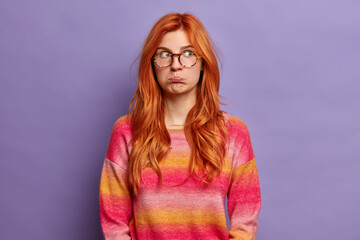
(188, 53)
(164, 54)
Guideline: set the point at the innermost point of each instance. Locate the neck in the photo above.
(176, 109)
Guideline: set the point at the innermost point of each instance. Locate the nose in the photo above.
(176, 65)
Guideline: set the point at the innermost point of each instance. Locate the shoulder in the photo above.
(240, 142)
(119, 141)
(235, 125)
(122, 125)
(122, 131)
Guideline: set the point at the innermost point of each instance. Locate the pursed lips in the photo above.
(176, 79)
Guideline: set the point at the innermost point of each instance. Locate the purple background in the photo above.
(290, 71)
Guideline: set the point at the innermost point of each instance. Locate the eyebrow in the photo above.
(184, 47)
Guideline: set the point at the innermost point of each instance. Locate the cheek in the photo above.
(197, 72)
(160, 74)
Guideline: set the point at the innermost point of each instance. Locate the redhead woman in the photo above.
(174, 158)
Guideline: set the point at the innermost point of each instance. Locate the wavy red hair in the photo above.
(205, 123)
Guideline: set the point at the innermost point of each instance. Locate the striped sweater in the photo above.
(192, 210)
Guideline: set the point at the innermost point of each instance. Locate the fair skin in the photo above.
(179, 94)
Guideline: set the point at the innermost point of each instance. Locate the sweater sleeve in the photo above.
(115, 198)
(244, 191)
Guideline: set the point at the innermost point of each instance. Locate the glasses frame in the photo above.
(172, 59)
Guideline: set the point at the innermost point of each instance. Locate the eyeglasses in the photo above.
(187, 59)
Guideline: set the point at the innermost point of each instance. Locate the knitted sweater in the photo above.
(192, 210)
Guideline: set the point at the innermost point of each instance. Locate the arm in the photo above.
(115, 198)
(244, 192)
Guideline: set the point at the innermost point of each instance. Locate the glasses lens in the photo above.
(163, 59)
(188, 59)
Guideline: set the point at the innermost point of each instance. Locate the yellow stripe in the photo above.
(159, 215)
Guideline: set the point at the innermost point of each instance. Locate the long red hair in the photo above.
(204, 128)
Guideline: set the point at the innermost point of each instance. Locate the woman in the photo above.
(173, 160)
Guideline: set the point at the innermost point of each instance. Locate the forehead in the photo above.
(175, 40)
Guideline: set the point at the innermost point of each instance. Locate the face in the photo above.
(175, 79)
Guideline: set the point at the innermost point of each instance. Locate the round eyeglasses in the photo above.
(187, 59)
